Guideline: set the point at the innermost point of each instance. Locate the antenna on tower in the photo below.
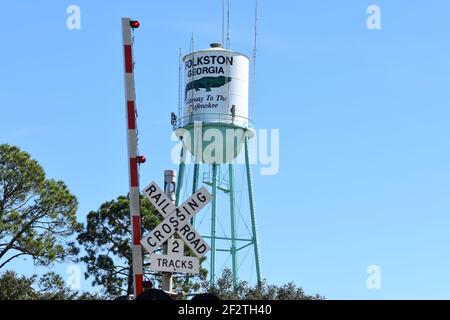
(192, 43)
(228, 25)
(223, 21)
(252, 105)
(179, 87)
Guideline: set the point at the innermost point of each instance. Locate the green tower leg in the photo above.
(195, 185)
(180, 176)
(252, 211)
(212, 269)
(233, 226)
(194, 188)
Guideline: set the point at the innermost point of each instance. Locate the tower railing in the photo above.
(214, 118)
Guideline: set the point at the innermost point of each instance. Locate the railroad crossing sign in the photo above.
(174, 260)
(176, 220)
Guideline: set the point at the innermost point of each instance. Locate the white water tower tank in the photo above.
(216, 93)
(215, 80)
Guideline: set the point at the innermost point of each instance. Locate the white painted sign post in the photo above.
(176, 220)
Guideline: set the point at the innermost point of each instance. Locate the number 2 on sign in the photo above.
(176, 247)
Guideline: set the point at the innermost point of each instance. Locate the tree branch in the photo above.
(18, 235)
(11, 258)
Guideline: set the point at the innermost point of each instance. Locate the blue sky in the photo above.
(364, 173)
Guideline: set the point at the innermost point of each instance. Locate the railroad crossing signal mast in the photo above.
(176, 221)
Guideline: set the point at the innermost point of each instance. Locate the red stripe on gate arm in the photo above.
(136, 230)
(131, 115)
(134, 173)
(128, 59)
(138, 281)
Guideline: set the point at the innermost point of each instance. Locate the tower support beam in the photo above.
(251, 199)
(195, 184)
(212, 268)
(233, 250)
(180, 175)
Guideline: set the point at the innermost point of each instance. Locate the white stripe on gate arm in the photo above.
(159, 199)
(178, 221)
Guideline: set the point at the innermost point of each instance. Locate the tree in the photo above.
(223, 288)
(106, 239)
(49, 287)
(107, 242)
(14, 288)
(37, 215)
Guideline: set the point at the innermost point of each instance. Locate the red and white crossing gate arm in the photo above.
(134, 200)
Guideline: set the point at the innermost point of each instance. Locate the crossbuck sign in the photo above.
(176, 220)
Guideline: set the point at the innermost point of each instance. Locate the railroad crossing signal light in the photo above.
(147, 285)
(141, 159)
(134, 24)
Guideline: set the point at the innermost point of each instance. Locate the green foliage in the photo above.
(107, 243)
(49, 287)
(223, 288)
(52, 287)
(14, 288)
(37, 215)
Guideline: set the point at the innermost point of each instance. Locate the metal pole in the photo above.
(134, 200)
(194, 188)
(180, 182)
(252, 210)
(195, 185)
(180, 175)
(233, 226)
(212, 268)
(169, 190)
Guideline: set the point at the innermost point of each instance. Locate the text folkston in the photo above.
(207, 65)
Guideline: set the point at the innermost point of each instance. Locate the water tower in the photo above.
(215, 128)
